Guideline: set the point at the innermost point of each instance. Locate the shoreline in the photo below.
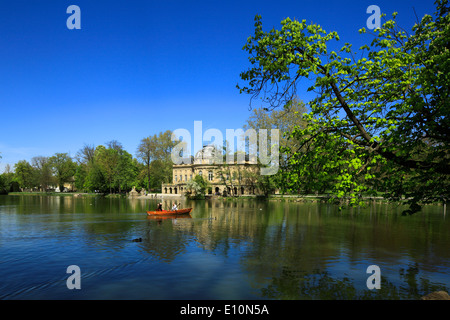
(312, 198)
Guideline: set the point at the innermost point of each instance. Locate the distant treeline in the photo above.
(105, 168)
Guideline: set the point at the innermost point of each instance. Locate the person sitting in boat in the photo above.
(159, 208)
(174, 207)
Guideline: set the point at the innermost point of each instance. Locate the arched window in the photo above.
(200, 173)
(210, 175)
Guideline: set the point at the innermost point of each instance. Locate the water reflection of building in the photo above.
(225, 179)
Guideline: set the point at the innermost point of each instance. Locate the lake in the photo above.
(226, 249)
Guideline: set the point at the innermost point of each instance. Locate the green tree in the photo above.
(6, 180)
(80, 176)
(141, 181)
(106, 168)
(44, 173)
(145, 154)
(155, 153)
(377, 123)
(86, 163)
(127, 171)
(197, 187)
(3, 184)
(64, 168)
(4, 188)
(94, 180)
(108, 162)
(116, 165)
(25, 174)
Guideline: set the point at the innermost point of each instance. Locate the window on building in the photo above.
(210, 175)
(175, 178)
(200, 173)
(185, 177)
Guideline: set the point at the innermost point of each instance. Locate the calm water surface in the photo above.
(243, 249)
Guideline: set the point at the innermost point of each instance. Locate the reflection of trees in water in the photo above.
(289, 258)
(286, 248)
(164, 240)
(319, 285)
(69, 204)
(221, 226)
(283, 247)
(417, 285)
(215, 226)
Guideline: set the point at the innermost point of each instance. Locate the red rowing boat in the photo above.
(169, 212)
(160, 217)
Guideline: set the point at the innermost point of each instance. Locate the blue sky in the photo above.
(137, 68)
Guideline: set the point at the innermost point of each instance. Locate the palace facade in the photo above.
(224, 179)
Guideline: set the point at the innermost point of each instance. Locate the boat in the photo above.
(170, 212)
(160, 217)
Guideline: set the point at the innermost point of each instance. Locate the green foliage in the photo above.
(81, 176)
(127, 171)
(25, 174)
(64, 168)
(106, 169)
(378, 123)
(7, 182)
(102, 169)
(44, 175)
(108, 162)
(154, 153)
(4, 184)
(95, 180)
(197, 188)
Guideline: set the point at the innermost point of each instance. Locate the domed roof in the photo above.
(206, 153)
